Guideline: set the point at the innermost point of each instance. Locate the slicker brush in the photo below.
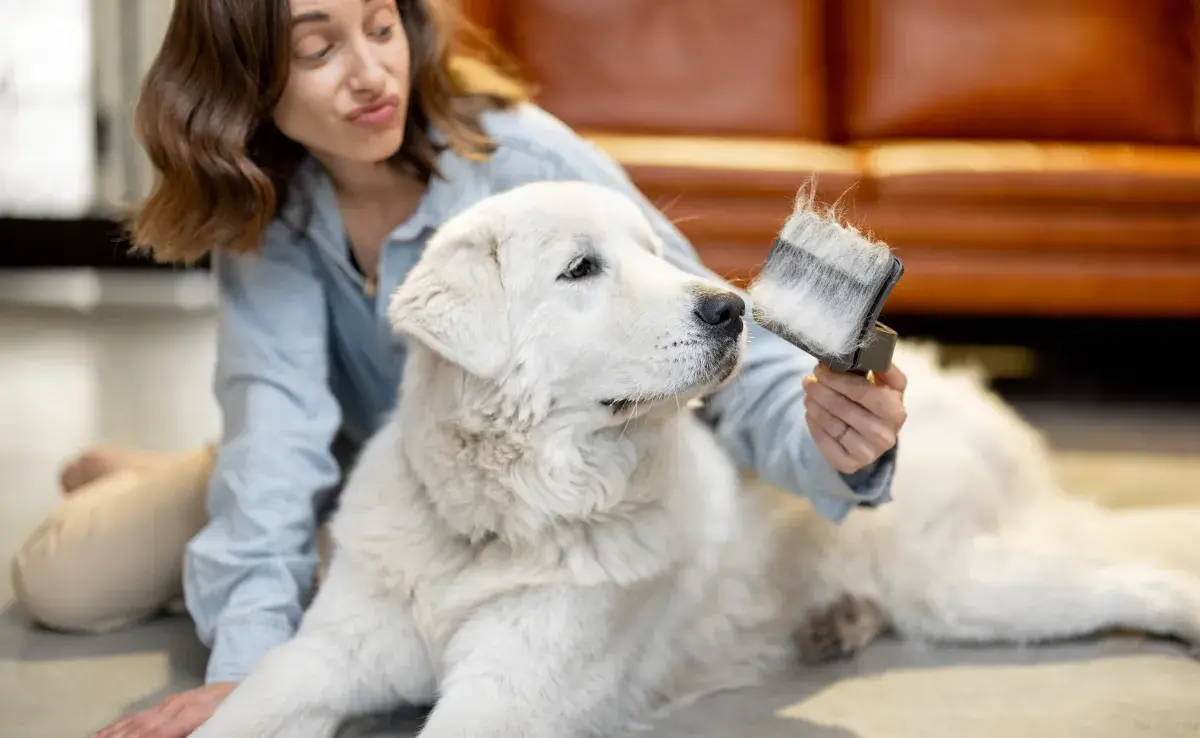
(823, 287)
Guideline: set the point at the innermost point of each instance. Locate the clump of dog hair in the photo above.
(822, 279)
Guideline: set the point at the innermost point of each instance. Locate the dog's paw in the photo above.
(816, 640)
(840, 630)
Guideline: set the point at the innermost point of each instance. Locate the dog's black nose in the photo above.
(721, 310)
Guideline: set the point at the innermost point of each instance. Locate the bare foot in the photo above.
(101, 461)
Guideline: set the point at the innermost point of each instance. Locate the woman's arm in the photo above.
(760, 416)
(248, 573)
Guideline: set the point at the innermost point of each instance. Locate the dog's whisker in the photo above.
(624, 427)
(674, 201)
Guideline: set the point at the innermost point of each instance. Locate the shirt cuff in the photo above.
(834, 494)
(239, 645)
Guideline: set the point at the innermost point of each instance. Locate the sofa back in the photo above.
(846, 70)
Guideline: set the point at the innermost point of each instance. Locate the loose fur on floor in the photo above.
(545, 540)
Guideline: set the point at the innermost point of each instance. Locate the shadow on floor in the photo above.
(21, 640)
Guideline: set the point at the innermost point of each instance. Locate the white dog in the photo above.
(547, 543)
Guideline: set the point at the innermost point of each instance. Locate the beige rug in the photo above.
(1129, 479)
(1111, 697)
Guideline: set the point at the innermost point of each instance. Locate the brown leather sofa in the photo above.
(1024, 157)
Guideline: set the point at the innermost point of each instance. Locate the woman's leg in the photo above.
(112, 553)
(104, 460)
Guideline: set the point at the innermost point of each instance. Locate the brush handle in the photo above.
(876, 355)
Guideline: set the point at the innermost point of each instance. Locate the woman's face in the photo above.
(347, 91)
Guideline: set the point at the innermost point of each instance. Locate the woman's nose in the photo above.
(368, 72)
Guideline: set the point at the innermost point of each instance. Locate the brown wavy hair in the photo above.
(223, 167)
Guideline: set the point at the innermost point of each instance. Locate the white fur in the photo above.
(822, 280)
(544, 565)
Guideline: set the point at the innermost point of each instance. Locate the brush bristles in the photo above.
(822, 280)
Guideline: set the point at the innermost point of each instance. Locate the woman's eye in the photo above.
(382, 23)
(581, 268)
(312, 49)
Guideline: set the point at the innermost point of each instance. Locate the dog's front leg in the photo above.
(357, 653)
(540, 664)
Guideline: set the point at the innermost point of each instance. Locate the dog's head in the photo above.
(560, 288)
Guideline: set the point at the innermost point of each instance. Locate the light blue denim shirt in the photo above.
(305, 352)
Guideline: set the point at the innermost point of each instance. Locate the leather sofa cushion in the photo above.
(1015, 283)
(649, 66)
(1033, 228)
(734, 190)
(945, 195)
(1098, 175)
(1076, 70)
(719, 165)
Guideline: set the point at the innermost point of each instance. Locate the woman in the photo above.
(310, 147)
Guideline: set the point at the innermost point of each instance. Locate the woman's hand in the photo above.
(853, 419)
(175, 717)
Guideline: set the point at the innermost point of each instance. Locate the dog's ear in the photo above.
(453, 302)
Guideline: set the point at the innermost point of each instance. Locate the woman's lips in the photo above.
(378, 113)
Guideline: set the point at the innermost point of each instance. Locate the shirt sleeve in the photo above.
(248, 573)
(759, 416)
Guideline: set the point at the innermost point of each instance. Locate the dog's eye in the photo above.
(584, 266)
